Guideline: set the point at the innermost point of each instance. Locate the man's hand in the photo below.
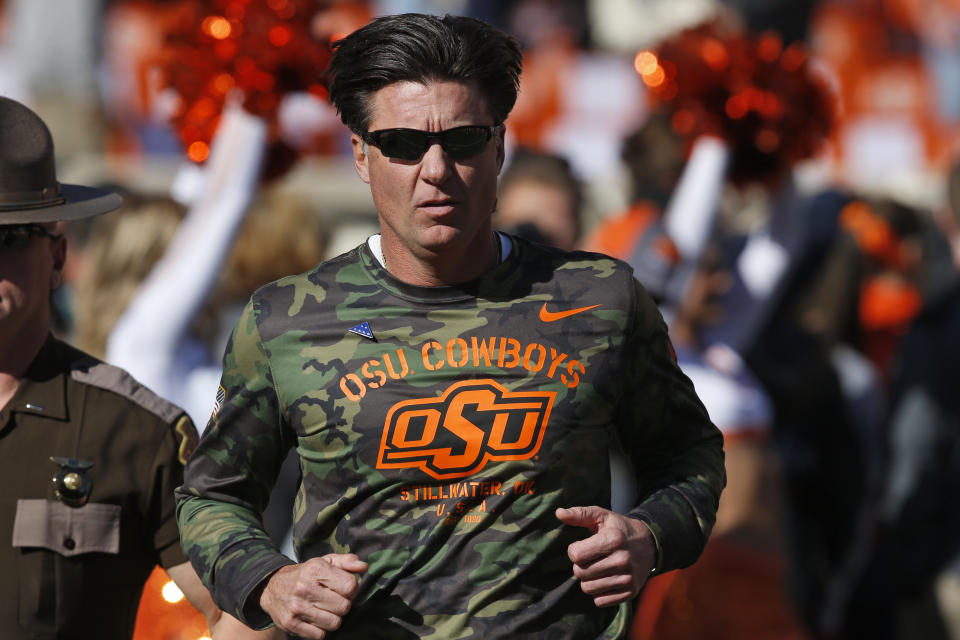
(310, 599)
(613, 563)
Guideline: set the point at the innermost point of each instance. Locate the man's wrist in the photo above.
(657, 553)
(252, 612)
(256, 596)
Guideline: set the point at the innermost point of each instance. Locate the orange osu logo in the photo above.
(471, 423)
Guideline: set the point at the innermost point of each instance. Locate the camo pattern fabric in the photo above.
(438, 429)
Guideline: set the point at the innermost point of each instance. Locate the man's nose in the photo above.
(436, 165)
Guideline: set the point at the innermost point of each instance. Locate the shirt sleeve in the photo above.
(228, 480)
(676, 451)
(166, 475)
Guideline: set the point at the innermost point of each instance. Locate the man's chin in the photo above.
(441, 239)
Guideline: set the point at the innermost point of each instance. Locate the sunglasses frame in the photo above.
(22, 234)
(374, 138)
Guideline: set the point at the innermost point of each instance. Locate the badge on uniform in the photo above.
(71, 482)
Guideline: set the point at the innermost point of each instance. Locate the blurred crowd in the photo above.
(783, 176)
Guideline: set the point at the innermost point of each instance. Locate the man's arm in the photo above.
(307, 599)
(676, 451)
(222, 625)
(228, 480)
(227, 483)
(677, 455)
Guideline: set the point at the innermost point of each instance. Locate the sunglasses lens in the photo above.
(464, 142)
(411, 144)
(15, 236)
(403, 145)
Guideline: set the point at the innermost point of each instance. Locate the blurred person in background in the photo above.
(654, 158)
(553, 36)
(171, 343)
(123, 249)
(119, 252)
(894, 63)
(135, 108)
(575, 99)
(540, 199)
(281, 234)
(364, 365)
(747, 109)
(911, 588)
(947, 585)
(80, 549)
(168, 343)
(13, 83)
(889, 237)
(739, 587)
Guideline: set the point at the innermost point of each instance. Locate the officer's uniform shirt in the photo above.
(78, 571)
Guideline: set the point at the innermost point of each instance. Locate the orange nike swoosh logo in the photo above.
(552, 316)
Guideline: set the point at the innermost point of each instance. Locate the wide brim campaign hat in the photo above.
(29, 191)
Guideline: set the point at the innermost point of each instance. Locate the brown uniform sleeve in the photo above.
(166, 475)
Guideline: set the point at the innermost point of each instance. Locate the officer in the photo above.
(90, 457)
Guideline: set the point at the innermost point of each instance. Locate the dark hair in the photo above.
(654, 156)
(420, 48)
(546, 168)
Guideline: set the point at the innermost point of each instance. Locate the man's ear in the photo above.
(360, 157)
(501, 146)
(58, 251)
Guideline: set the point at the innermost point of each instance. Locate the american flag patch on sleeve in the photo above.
(221, 396)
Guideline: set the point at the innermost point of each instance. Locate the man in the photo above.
(918, 557)
(76, 551)
(541, 199)
(452, 393)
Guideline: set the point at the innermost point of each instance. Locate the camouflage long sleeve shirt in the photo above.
(438, 429)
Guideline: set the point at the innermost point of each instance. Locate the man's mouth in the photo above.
(438, 206)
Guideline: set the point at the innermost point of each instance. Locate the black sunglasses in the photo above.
(411, 144)
(17, 236)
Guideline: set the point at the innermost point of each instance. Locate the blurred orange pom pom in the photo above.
(258, 50)
(760, 97)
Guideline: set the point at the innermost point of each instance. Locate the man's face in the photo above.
(434, 208)
(547, 207)
(27, 275)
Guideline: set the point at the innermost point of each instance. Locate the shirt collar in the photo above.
(43, 389)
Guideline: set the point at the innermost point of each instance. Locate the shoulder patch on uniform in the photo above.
(187, 437)
(106, 376)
